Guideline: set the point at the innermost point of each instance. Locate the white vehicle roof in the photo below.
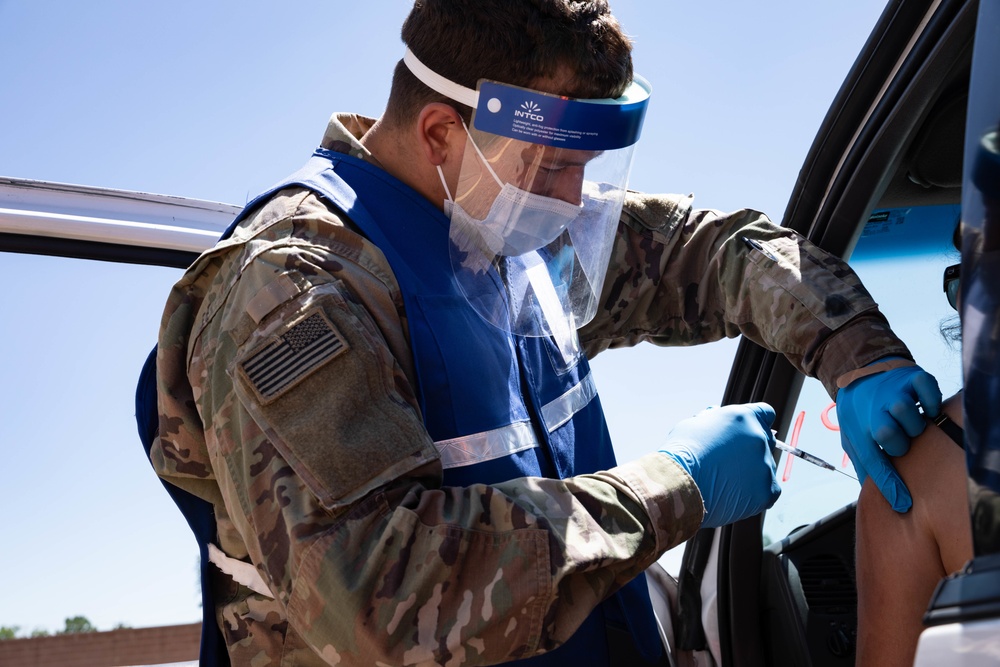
(105, 215)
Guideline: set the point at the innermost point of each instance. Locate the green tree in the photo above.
(77, 624)
(40, 632)
(8, 632)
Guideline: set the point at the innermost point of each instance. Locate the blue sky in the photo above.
(217, 100)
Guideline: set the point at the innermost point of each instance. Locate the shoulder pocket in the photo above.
(323, 387)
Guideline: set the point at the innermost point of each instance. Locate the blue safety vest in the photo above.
(498, 406)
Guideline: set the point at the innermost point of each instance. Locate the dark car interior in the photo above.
(894, 137)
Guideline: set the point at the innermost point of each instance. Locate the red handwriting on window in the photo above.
(793, 441)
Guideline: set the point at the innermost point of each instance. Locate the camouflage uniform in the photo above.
(332, 487)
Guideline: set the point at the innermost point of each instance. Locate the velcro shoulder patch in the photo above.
(289, 357)
(272, 295)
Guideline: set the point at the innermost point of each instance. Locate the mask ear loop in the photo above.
(444, 183)
(480, 154)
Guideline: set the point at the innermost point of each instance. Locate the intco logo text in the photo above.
(530, 112)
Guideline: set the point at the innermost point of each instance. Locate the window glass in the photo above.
(89, 530)
(900, 258)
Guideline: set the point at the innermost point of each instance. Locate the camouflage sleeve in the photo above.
(683, 276)
(334, 486)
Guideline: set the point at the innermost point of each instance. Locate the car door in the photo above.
(882, 187)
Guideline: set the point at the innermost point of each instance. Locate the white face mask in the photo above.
(518, 221)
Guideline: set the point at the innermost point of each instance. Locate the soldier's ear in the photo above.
(440, 133)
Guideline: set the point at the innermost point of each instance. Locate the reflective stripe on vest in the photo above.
(487, 445)
(558, 412)
(469, 450)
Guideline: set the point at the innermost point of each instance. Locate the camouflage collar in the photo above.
(343, 135)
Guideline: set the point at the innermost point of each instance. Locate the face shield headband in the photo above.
(537, 202)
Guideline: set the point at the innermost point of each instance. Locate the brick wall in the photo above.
(143, 646)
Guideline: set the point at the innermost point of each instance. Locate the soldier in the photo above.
(379, 380)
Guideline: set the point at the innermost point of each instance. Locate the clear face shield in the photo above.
(537, 202)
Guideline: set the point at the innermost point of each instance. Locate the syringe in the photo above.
(806, 456)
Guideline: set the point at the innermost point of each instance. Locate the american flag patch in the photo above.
(300, 350)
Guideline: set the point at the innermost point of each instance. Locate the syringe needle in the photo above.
(815, 460)
(846, 474)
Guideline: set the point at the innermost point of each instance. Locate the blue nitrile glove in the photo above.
(878, 415)
(727, 451)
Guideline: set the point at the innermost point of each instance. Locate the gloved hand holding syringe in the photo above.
(806, 456)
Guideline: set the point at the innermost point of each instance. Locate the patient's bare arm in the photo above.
(901, 557)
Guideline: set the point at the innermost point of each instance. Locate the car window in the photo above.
(89, 529)
(900, 257)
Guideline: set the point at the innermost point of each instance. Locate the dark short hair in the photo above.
(516, 42)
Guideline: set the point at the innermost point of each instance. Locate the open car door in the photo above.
(882, 186)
